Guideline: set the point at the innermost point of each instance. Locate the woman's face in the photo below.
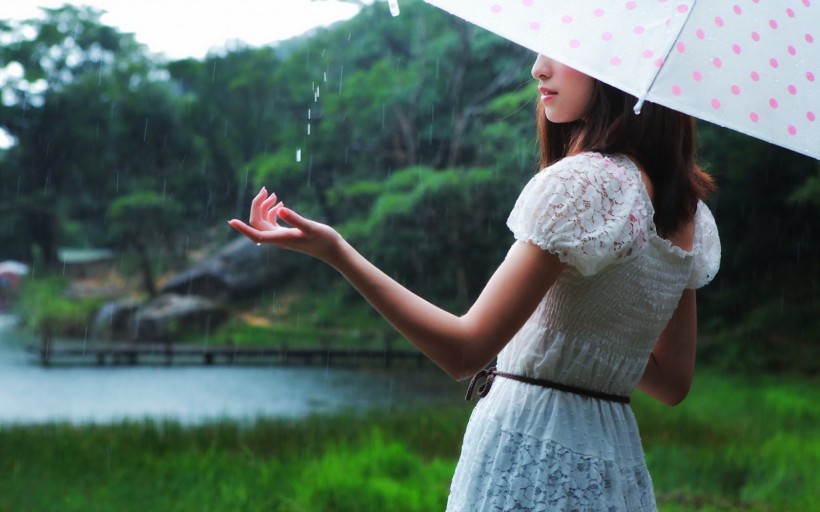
(565, 92)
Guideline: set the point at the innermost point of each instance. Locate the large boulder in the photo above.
(165, 318)
(168, 317)
(240, 269)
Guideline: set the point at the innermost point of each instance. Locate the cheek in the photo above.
(584, 90)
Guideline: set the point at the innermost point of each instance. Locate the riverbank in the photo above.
(736, 444)
(192, 394)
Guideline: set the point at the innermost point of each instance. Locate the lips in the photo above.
(547, 94)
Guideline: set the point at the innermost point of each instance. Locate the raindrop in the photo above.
(394, 7)
(258, 245)
(308, 129)
(145, 130)
(298, 154)
(341, 76)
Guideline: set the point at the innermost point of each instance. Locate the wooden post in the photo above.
(45, 342)
(388, 352)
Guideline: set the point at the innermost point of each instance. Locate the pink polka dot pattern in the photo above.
(750, 65)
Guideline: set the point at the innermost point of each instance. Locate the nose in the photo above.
(542, 68)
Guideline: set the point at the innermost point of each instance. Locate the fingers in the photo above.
(292, 218)
(250, 232)
(265, 205)
(262, 225)
(256, 206)
(272, 213)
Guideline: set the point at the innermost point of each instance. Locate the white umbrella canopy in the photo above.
(749, 65)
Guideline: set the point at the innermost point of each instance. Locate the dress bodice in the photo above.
(597, 325)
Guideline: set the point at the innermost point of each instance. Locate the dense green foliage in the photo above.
(411, 134)
(48, 310)
(736, 444)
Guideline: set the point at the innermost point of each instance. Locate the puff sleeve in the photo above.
(705, 249)
(589, 209)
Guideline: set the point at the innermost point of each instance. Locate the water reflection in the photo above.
(30, 393)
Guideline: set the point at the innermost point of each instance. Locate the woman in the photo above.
(595, 297)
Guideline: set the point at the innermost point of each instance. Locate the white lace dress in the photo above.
(531, 448)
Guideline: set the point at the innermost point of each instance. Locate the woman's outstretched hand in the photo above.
(302, 235)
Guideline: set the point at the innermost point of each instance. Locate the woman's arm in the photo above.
(461, 345)
(668, 374)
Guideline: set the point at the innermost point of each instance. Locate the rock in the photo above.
(167, 317)
(112, 321)
(238, 270)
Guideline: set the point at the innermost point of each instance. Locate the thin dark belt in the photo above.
(488, 374)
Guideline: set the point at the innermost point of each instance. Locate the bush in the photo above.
(44, 307)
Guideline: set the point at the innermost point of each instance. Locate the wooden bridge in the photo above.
(132, 353)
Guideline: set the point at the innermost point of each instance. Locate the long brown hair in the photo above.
(659, 139)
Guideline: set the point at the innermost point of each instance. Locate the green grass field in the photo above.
(736, 444)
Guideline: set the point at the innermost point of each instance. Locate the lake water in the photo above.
(30, 393)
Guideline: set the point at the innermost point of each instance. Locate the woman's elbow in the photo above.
(464, 372)
(676, 394)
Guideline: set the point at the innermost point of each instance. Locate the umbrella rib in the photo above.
(639, 105)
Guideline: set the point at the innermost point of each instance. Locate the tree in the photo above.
(67, 45)
(107, 123)
(147, 223)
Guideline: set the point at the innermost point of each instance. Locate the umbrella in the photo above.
(749, 65)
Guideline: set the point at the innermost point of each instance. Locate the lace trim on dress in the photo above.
(519, 473)
(593, 210)
(587, 209)
(707, 241)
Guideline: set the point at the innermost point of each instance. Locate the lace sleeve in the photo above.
(588, 209)
(706, 248)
